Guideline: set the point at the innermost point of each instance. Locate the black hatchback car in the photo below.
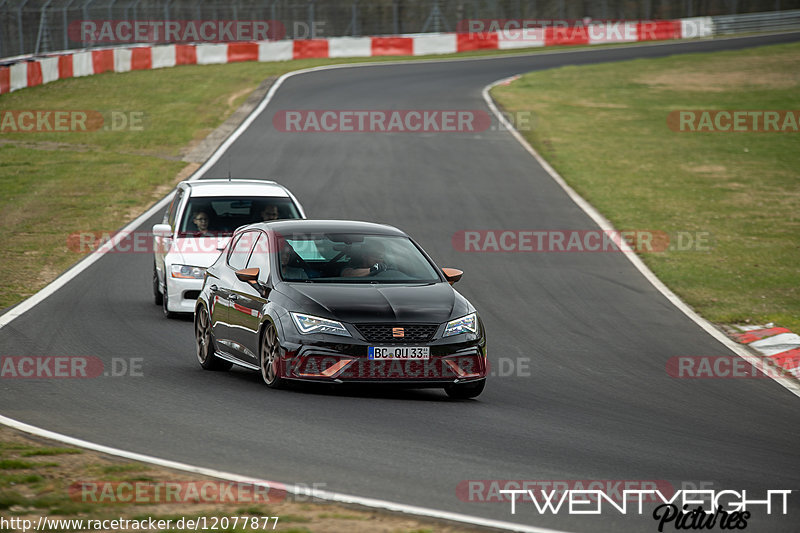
(338, 301)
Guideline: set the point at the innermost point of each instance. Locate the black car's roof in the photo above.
(328, 226)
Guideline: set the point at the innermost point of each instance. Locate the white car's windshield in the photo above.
(209, 216)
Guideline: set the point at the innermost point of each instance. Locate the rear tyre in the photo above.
(204, 342)
(463, 391)
(157, 297)
(270, 359)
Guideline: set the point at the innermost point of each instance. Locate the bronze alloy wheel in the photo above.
(269, 358)
(204, 342)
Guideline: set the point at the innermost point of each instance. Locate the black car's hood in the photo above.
(357, 303)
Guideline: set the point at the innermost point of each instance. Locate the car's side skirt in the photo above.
(235, 360)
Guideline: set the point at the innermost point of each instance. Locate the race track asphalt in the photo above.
(588, 336)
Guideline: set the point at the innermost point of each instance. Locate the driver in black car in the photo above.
(369, 262)
(287, 255)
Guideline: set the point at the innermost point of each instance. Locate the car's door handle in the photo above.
(233, 297)
(214, 288)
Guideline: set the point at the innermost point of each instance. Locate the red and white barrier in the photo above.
(778, 344)
(32, 71)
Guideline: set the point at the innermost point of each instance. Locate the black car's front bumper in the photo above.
(338, 359)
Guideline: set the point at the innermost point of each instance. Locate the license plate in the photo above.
(399, 352)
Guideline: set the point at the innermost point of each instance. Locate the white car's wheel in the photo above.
(157, 296)
(165, 302)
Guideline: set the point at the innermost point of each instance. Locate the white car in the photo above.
(201, 218)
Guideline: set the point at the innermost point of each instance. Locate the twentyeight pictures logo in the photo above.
(683, 509)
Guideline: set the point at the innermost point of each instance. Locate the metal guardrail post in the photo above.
(42, 22)
(166, 9)
(110, 9)
(354, 19)
(64, 22)
(311, 30)
(135, 7)
(2, 53)
(19, 26)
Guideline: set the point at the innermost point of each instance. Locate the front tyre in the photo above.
(204, 342)
(157, 297)
(165, 303)
(463, 391)
(270, 358)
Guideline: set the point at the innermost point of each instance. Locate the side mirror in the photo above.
(250, 275)
(452, 274)
(162, 230)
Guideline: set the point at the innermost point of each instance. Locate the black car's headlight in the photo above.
(307, 324)
(188, 272)
(465, 324)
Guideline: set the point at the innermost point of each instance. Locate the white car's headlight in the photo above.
(188, 272)
(465, 324)
(307, 324)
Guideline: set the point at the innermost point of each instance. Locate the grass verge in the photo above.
(86, 485)
(604, 129)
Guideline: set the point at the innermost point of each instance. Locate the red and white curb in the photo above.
(779, 345)
(29, 71)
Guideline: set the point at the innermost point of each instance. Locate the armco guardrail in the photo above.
(44, 26)
(757, 22)
(32, 71)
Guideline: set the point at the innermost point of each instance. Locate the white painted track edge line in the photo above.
(604, 224)
(293, 489)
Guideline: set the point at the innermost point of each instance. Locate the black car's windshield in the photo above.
(220, 216)
(353, 258)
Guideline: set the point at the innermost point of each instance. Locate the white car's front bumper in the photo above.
(182, 294)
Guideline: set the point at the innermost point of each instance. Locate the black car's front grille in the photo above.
(392, 332)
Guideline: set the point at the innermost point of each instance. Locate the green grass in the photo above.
(51, 451)
(603, 128)
(19, 479)
(16, 464)
(119, 469)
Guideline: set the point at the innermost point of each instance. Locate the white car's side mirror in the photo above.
(162, 230)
